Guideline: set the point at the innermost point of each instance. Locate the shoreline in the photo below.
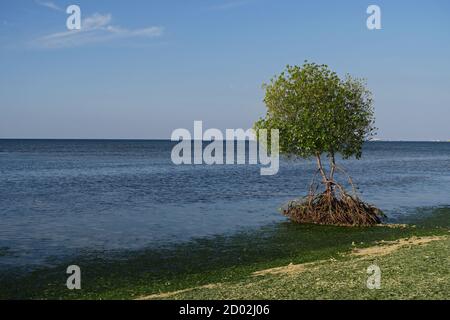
(207, 262)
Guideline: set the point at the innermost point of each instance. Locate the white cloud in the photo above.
(49, 4)
(96, 21)
(229, 4)
(95, 29)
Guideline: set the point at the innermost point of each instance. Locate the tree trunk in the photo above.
(322, 171)
(333, 168)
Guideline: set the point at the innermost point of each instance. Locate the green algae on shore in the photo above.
(208, 261)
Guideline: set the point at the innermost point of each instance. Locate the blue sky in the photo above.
(145, 68)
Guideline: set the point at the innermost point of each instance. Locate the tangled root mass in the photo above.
(333, 208)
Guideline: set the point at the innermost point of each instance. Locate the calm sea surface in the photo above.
(63, 197)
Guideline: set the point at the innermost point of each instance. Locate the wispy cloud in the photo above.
(49, 4)
(96, 28)
(229, 4)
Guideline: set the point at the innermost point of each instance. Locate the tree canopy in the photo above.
(318, 112)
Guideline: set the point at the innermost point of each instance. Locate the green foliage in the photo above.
(318, 112)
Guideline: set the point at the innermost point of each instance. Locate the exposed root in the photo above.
(333, 208)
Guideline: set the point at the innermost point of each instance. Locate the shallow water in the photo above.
(65, 197)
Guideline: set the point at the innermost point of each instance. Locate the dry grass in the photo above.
(165, 295)
(290, 268)
(389, 247)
